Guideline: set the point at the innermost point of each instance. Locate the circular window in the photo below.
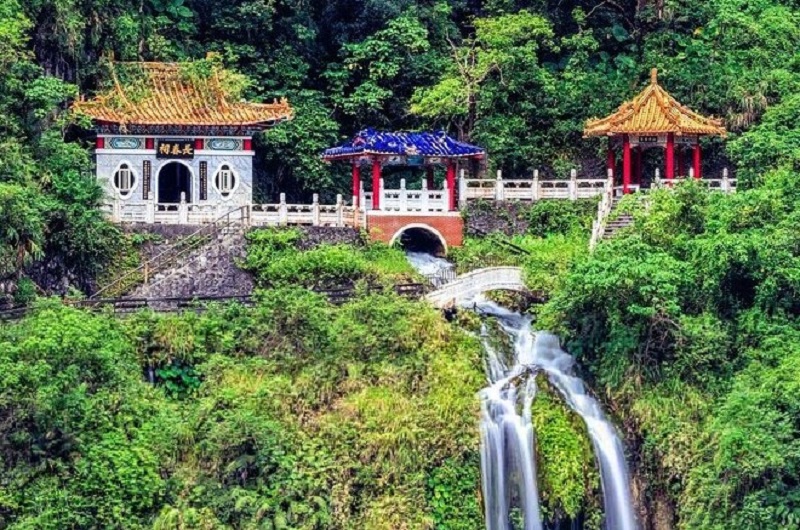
(225, 181)
(124, 180)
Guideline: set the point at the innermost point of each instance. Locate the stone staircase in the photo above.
(208, 271)
(623, 220)
(185, 249)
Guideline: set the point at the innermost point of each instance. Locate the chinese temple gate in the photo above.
(391, 212)
(171, 147)
(653, 119)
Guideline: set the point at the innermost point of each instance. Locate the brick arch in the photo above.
(420, 226)
(388, 226)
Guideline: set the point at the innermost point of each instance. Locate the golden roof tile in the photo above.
(654, 111)
(166, 96)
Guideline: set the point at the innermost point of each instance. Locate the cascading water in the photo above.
(437, 270)
(508, 438)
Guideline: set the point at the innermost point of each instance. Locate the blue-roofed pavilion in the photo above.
(426, 149)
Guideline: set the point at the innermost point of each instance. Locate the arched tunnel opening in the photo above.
(419, 239)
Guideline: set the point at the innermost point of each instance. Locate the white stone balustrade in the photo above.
(534, 189)
(402, 200)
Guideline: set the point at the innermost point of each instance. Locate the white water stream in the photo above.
(508, 439)
(438, 270)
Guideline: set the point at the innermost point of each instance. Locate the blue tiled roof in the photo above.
(426, 144)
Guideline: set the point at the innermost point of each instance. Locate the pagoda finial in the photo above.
(654, 76)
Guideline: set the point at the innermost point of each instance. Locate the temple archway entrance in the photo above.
(174, 179)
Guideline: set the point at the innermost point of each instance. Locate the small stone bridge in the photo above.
(471, 284)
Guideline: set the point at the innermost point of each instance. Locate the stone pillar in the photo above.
(376, 184)
(535, 186)
(611, 159)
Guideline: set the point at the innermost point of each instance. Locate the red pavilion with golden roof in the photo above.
(653, 118)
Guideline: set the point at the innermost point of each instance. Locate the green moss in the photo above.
(568, 476)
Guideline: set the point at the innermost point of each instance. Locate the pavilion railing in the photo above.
(408, 200)
(724, 184)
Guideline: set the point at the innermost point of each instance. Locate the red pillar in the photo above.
(451, 184)
(429, 177)
(100, 143)
(626, 164)
(611, 160)
(670, 173)
(356, 183)
(639, 165)
(376, 184)
(697, 166)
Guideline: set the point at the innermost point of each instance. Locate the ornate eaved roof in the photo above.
(654, 111)
(165, 94)
(425, 144)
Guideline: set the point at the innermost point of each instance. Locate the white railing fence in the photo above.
(402, 200)
(533, 189)
(603, 210)
(724, 184)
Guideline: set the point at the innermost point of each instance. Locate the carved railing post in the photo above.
(283, 211)
(462, 190)
(315, 210)
(150, 212)
(403, 196)
(573, 184)
(499, 190)
(726, 183)
(340, 210)
(657, 179)
(183, 210)
(425, 196)
(382, 195)
(535, 191)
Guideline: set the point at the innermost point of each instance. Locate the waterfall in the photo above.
(507, 435)
(508, 439)
(438, 271)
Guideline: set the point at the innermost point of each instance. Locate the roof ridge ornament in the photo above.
(654, 76)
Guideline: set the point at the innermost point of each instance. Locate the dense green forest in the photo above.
(519, 78)
(299, 415)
